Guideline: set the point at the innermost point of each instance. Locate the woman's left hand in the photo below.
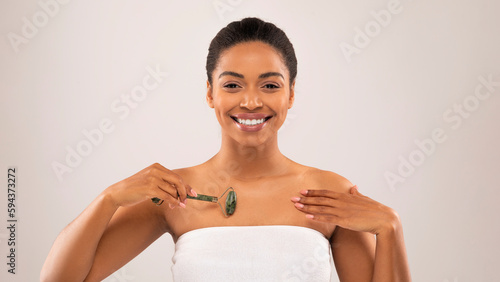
(352, 211)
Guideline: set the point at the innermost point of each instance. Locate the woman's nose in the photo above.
(251, 101)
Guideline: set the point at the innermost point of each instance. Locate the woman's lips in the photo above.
(250, 122)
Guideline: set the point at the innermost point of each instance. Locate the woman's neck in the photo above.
(245, 162)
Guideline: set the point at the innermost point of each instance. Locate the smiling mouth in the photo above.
(250, 122)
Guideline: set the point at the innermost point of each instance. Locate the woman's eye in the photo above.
(231, 85)
(271, 86)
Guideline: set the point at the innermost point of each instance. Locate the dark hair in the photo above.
(251, 29)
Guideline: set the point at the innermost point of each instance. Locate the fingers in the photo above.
(328, 214)
(351, 210)
(174, 195)
(316, 209)
(176, 182)
(324, 197)
(319, 205)
(324, 205)
(321, 193)
(191, 191)
(164, 192)
(172, 184)
(354, 190)
(317, 201)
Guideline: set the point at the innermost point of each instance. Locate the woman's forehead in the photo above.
(251, 58)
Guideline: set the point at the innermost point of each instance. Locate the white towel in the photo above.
(252, 253)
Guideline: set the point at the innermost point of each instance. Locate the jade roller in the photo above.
(230, 204)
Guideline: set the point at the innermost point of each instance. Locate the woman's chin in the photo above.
(256, 139)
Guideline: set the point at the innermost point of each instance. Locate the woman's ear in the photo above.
(291, 99)
(210, 98)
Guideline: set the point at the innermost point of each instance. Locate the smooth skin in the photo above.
(366, 236)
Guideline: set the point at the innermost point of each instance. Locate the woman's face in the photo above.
(250, 93)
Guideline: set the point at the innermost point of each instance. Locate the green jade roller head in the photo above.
(230, 205)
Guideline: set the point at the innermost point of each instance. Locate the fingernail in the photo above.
(182, 204)
(295, 199)
(194, 193)
(304, 192)
(170, 206)
(310, 216)
(299, 205)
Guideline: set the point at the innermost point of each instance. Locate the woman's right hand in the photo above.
(153, 181)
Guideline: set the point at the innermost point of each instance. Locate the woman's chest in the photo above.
(260, 202)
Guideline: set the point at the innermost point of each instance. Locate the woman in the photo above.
(288, 215)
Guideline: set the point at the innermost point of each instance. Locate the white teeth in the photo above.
(250, 121)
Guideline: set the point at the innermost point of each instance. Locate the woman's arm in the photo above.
(391, 263)
(120, 223)
(353, 254)
(358, 257)
(72, 254)
(100, 240)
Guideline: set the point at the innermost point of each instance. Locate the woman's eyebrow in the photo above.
(269, 74)
(232, 73)
(264, 75)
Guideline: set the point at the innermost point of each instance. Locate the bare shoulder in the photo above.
(328, 180)
(195, 176)
(188, 172)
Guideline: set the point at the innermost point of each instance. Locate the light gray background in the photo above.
(357, 118)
